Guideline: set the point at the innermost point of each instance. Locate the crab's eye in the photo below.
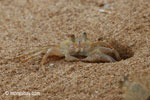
(84, 36)
(73, 38)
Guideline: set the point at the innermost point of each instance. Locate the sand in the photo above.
(28, 24)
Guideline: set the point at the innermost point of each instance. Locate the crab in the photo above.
(76, 49)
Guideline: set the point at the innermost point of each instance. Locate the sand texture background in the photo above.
(27, 24)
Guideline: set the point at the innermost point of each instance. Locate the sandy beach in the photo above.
(26, 25)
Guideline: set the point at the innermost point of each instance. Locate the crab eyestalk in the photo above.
(72, 37)
(84, 36)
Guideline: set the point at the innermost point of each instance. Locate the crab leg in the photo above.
(99, 58)
(31, 57)
(35, 51)
(108, 51)
(70, 58)
(51, 52)
(30, 53)
(27, 54)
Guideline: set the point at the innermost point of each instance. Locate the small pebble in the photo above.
(131, 44)
(96, 91)
(104, 11)
(101, 10)
(51, 65)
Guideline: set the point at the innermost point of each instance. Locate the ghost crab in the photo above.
(74, 48)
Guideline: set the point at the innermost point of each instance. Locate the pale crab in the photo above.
(75, 48)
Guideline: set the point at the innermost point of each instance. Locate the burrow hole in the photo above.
(125, 51)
